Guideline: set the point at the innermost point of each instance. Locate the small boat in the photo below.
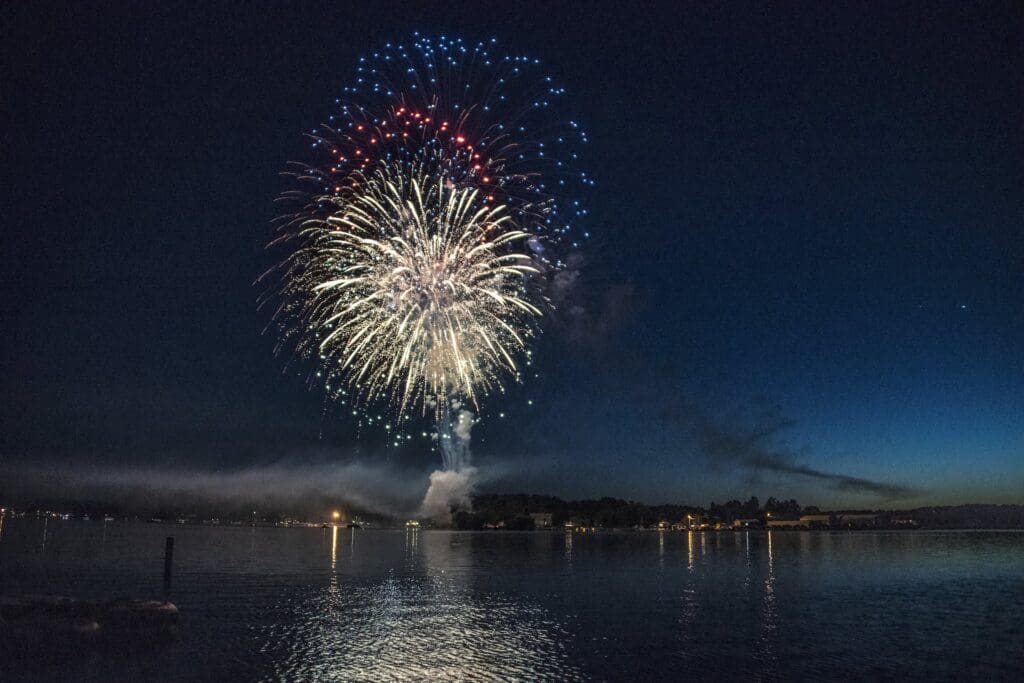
(354, 525)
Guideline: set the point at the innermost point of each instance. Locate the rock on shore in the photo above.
(47, 615)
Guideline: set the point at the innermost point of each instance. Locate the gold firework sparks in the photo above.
(413, 290)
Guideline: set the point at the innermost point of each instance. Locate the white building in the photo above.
(541, 520)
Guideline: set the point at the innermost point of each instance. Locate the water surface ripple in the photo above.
(359, 605)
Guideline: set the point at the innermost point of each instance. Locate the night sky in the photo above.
(806, 277)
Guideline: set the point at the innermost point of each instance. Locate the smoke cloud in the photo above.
(452, 487)
(448, 489)
(463, 424)
(290, 484)
(754, 447)
(589, 314)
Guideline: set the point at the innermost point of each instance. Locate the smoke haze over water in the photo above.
(313, 487)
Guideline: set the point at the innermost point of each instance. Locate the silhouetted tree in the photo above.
(752, 508)
(782, 507)
(467, 521)
(521, 523)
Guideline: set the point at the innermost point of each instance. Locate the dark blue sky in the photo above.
(806, 279)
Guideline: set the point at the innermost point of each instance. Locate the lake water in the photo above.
(355, 605)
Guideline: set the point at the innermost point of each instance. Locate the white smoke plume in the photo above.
(448, 489)
(451, 487)
(463, 424)
(453, 436)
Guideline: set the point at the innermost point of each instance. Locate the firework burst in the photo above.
(441, 202)
(414, 291)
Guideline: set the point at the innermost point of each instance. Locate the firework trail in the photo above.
(441, 203)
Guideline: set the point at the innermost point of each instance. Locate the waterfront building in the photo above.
(817, 521)
(541, 520)
(746, 524)
(786, 524)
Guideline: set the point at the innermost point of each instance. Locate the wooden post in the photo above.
(168, 557)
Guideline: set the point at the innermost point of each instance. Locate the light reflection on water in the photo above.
(768, 612)
(426, 622)
(348, 604)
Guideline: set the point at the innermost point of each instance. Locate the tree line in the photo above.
(513, 511)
